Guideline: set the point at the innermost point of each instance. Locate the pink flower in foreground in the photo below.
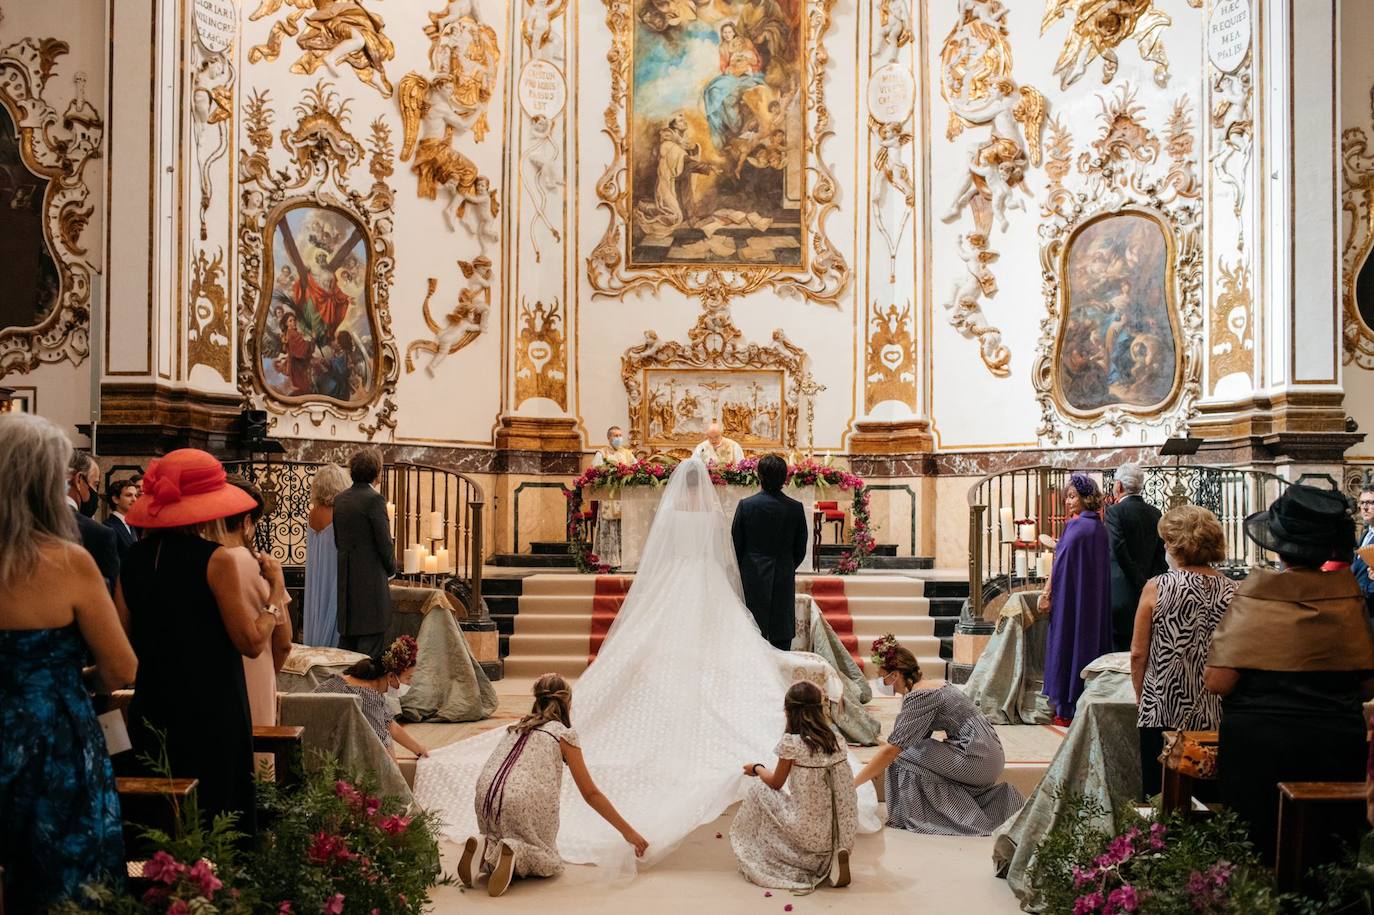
(163, 868)
(394, 825)
(206, 878)
(178, 907)
(1084, 905)
(1122, 899)
(284, 908)
(335, 904)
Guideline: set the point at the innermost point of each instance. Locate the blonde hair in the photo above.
(34, 454)
(328, 482)
(1193, 535)
(551, 698)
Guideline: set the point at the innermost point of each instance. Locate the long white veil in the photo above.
(683, 691)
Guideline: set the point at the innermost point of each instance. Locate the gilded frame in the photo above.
(660, 443)
(56, 148)
(321, 155)
(269, 269)
(823, 275)
(1171, 306)
(1357, 202)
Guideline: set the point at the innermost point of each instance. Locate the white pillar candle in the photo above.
(1022, 564)
(431, 565)
(1043, 563)
(441, 559)
(1026, 532)
(436, 526)
(412, 560)
(391, 515)
(1008, 524)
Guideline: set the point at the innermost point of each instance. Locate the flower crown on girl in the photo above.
(401, 656)
(883, 647)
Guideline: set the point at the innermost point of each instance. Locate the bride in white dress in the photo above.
(683, 691)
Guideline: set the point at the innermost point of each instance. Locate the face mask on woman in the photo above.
(618, 442)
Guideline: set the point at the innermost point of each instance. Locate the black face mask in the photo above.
(89, 506)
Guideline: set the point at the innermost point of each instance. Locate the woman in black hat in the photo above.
(1291, 659)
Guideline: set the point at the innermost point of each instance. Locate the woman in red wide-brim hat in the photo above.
(193, 613)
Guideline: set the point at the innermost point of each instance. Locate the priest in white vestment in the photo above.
(606, 539)
(717, 449)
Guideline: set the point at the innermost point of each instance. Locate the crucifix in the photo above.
(808, 388)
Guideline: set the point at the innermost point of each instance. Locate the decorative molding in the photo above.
(321, 155)
(714, 342)
(890, 360)
(212, 110)
(208, 338)
(823, 280)
(57, 148)
(976, 82)
(541, 355)
(1098, 28)
(1357, 202)
(329, 35)
(891, 94)
(1231, 329)
(463, 324)
(1126, 170)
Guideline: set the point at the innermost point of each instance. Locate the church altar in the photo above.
(634, 490)
(638, 505)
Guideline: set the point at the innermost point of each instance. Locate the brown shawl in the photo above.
(1298, 620)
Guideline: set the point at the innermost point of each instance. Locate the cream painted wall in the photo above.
(63, 389)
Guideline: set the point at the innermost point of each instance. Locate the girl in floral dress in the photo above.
(519, 789)
(798, 838)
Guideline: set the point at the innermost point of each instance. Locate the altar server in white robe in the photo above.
(606, 540)
(717, 449)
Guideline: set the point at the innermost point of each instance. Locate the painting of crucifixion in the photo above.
(681, 403)
(317, 339)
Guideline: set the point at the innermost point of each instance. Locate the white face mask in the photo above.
(618, 442)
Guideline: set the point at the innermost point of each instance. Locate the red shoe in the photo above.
(1061, 722)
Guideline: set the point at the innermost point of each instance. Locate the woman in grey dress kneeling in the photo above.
(941, 787)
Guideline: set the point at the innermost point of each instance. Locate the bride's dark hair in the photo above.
(551, 697)
(806, 717)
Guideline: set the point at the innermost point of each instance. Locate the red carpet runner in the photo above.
(829, 596)
(610, 594)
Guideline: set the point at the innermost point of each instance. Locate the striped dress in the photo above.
(947, 787)
(1189, 606)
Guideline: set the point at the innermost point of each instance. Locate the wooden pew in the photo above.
(151, 803)
(1314, 818)
(1178, 787)
(286, 744)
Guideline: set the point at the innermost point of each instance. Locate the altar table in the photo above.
(639, 504)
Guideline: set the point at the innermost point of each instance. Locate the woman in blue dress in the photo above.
(741, 69)
(59, 812)
(321, 611)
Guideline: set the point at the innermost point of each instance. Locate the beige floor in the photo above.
(892, 870)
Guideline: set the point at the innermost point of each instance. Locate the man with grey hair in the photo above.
(1137, 552)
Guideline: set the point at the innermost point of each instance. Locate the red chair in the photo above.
(586, 520)
(831, 513)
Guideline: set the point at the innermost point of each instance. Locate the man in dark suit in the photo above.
(1136, 550)
(367, 558)
(121, 496)
(83, 495)
(1366, 539)
(769, 532)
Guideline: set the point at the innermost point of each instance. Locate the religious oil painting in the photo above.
(1118, 344)
(317, 336)
(717, 133)
(32, 283)
(681, 403)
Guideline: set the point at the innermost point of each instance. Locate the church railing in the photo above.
(1035, 495)
(426, 501)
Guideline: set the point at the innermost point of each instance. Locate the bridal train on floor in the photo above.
(682, 693)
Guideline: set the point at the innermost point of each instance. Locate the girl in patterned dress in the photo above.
(795, 839)
(519, 789)
(944, 787)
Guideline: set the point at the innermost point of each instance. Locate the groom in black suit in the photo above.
(769, 532)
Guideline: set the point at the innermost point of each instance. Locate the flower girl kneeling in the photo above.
(799, 838)
(518, 793)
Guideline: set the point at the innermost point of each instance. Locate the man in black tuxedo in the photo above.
(83, 495)
(121, 497)
(769, 532)
(367, 558)
(1137, 552)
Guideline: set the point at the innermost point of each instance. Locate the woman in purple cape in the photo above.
(1078, 597)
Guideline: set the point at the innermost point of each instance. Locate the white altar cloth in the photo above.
(638, 504)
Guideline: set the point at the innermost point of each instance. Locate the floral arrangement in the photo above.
(883, 647)
(808, 472)
(401, 655)
(1174, 865)
(330, 845)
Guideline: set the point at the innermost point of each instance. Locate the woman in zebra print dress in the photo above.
(1178, 612)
